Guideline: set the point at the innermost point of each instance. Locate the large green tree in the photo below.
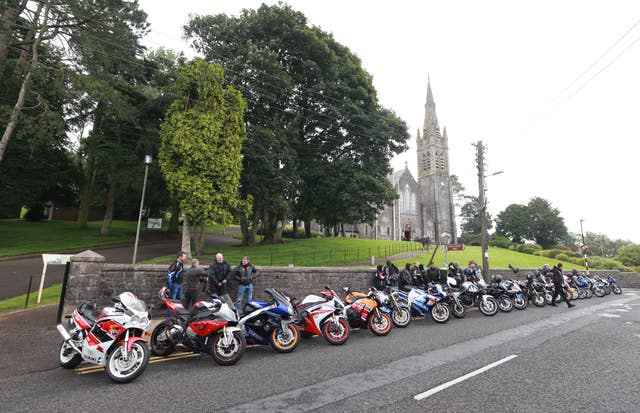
(202, 136)
(629, 254)
(313, 120)
(513, 223)
(470, 217)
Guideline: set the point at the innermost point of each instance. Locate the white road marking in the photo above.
(609, 315)
(460, 379)
(622, 310)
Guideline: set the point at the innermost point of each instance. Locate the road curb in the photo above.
(24, 310)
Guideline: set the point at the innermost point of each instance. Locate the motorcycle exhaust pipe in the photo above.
(63, 332)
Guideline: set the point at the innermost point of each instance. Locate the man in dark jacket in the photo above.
(391, 272)
(192, 283)
(218, 273)
(558, 280)
(174, 276)
(245, 273)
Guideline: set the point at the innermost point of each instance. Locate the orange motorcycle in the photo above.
(364, 310)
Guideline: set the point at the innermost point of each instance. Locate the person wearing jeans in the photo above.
(245, 273)
(174, 278)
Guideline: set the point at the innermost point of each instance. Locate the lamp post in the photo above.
(147, 162)
(445, 238)
(584, 248)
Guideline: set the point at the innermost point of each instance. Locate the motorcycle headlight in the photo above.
(135, 320)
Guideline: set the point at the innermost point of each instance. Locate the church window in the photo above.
(440, 161)
(426, 161)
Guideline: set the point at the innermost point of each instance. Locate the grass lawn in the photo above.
(498, 258)
(50, 295)
(23, 237)
(308, 252)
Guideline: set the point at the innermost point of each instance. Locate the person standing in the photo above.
(558, 280)
(245, 273)
(472, 272)
(192, 283)
(218, 274)
(379, 280)
(406, 278)
(174, 276)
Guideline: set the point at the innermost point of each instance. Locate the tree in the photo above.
(513, 223)
(313, 117)
(546, 226)
(470, 214)
(202, 136)
(629, 254)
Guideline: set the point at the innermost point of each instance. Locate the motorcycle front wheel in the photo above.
(616, 290)
(401, 317)
(379, 326)
(505, 304)
(538, 300)
(599, 292)
(520, 302)
(123, 369)
(68, 357)
(336, 333)
(161, 343)
(440, 313)
(458, 310)
(488, 307)
(229, 353)
(285, 341)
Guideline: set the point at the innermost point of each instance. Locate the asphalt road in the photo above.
(580, 359)
(14, 273)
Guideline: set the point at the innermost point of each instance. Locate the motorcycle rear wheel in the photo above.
(379, 326)
(67, 356)
(520, 303)
(122, 369)
(228, 355)
(336, 334)
(162, 345)
(539, 301)
(285, 341)
(505, 304)
(401, 317)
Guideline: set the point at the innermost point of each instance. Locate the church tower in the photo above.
(438, 211)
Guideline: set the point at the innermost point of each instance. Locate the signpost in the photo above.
(51, 259)
(455, 247)
(154, 223)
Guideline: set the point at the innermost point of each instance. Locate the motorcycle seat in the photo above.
(88, 312)
(182, 311)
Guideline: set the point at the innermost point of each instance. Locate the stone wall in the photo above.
(92, 279)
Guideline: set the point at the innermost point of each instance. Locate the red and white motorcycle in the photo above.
(113, 338)
(323, 316)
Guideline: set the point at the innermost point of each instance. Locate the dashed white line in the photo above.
(460, 379)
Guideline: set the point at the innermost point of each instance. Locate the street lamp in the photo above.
(147, 162)
(483, 221)
(445, 238)
(584, 248)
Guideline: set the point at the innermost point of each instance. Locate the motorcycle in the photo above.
(515, 294)
(500, 294)
(533, 290)
(201, 330)
(324, 316)
(474, 294)
(397, 308)
(270, 323)
(605, 284)
(363, 310)
(429, 303)
(112, 338)
(452, 298)
(614, 285)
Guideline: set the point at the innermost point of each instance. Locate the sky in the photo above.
(551, 87)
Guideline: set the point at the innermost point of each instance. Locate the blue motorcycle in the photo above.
(614, 285)
(427, 303)
(271, 322)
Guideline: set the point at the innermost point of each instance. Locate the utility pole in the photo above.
(480, 148)
(584, 248)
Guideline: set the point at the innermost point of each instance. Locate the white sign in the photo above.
(53, 259)
(154, 223)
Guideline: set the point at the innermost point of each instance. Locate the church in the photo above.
(424, 206)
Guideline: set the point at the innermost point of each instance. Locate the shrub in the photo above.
(35, 213)
(528, 248)
(562, 257)
(611, 264)
(469, 239)
(629, 254)
(500, 241)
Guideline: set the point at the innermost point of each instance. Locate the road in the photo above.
(566, 360)
(14, 273)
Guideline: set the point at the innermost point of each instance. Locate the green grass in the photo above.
(498, 258)
(309, 252)
(50, 295)
(24, 237)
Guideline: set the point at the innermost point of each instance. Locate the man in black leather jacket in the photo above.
(244, 274)
(558, 280)
(218, 273)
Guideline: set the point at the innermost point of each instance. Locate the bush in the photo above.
(629, 254)
(554, 252)
(470, 239)
(528, 248)
(562, 257)
(500, 241)
(611, 264)
(287, 232)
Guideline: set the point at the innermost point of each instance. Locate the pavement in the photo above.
(15, 273)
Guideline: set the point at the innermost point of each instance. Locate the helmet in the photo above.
(164, 293)
(497, 278)
(529, 276)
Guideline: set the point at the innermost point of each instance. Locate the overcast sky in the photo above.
(509, 73)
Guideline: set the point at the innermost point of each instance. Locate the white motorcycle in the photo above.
(113, 338)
